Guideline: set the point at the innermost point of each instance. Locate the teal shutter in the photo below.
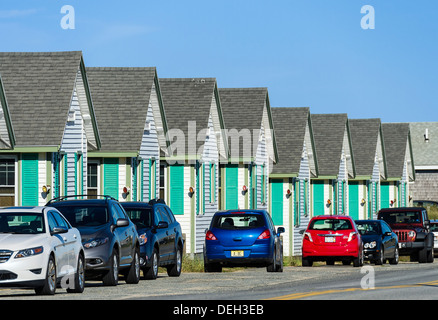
(277, 201)
(318, 197)
(353, 199)
(111, 177)
(231, 185)
(29, 173)
(177, 189)
(384, 195)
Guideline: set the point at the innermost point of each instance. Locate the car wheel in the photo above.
(396, 257)
(358, 261)
(306, 262)
(111, 278)
(280, 263)
(133, 276)
(50, 281)
(381, 258)
(79, 281)
(151, 272)
(273, 266)
(174, 270)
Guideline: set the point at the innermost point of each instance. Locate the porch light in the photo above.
(329, 202)
(126, 190)
(362, 202)
(244, 189)
(46, 189)
(288, 194)
(191, 191)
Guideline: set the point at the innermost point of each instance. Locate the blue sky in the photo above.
(307, 52)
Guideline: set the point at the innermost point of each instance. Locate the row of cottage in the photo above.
(66, 129)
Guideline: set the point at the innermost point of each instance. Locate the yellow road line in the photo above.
(300, 295)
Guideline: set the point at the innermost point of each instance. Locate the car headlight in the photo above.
(95, 242)
(370, 245)
(142, 238)
(29, 252)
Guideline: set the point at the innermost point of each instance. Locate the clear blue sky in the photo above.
(308, 53)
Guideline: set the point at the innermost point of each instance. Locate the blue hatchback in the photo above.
(243, 238)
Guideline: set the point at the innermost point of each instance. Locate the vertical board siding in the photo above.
(111, 177)
(277, 201)
(176, 189)
(29, 179)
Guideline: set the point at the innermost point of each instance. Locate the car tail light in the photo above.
(308, 236)
(210, 236)
(352, 236)
(264, 235)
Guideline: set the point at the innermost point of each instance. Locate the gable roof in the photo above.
(364, 142)
(425, 151)
(290, 130)
(39, 88)
(396, 137)
(243, 109)
(188, 102)
(121, 98)
(328, 134)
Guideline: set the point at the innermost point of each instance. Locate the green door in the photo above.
(176, 189)
(353, 199)
(29, 180)
(318, 197)
(231, 187)
(111, 177)
(384, 195)
(277, 201)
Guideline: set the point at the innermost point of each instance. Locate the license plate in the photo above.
(330, 239)
(237, 253)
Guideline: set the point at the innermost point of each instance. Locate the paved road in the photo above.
(404, 281)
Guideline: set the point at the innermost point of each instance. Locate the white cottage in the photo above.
(290, 177)
(50, 124)
(133, 128)
(197, 145)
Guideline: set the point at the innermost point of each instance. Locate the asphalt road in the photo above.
(404, 281)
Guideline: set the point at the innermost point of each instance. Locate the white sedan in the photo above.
(40, 249)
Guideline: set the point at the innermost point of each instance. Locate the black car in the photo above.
(109, 237)
(379, 241)
(161, 240)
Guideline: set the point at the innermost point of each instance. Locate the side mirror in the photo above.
(58, 230)
(162, 225)
(302, 231)
(280, 230)
(122, 223)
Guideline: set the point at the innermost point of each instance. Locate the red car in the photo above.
(330, 239)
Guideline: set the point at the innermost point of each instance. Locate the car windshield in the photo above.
(401, 217)
(330, 224)
(21, 223)
(85, 216)
(238, 221)
(368, 228)
(142, 217)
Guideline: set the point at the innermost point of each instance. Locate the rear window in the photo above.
(238, 221)
(330, 224)
(142, 217)
(85, 216)
(401, 217)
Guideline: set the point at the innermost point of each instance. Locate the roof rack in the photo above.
(156, 200)
(76, 196)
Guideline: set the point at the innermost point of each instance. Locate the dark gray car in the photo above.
(109, 237)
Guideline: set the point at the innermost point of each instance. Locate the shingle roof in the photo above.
(328, 134)
(395, 137)
(187, 102)
(39, 88)
(364, 138)
(121, 99)
(425, 151)
(290, 129)
(243, 110)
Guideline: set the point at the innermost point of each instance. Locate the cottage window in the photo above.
(7, 182)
